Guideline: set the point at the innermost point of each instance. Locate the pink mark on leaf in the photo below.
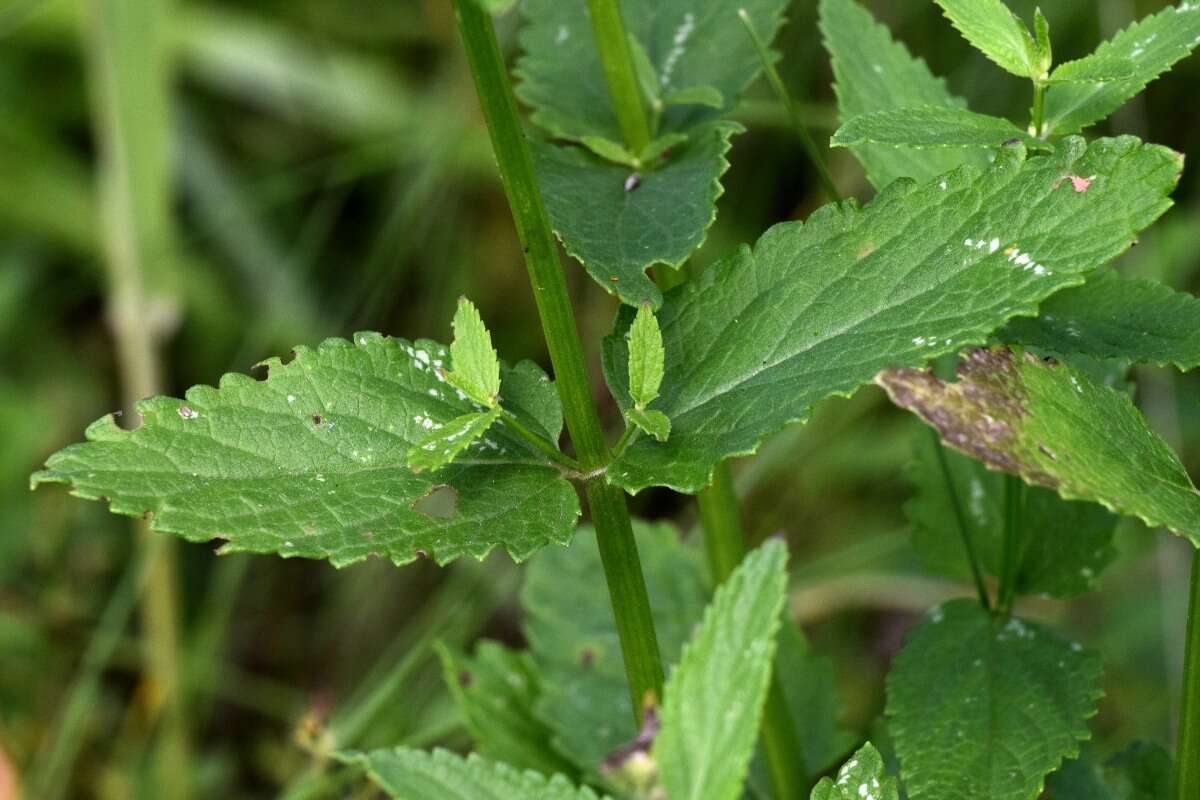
(1080, 185)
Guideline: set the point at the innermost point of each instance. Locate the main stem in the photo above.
(725, 547)
(1038, 121)
(620, 74)
(1187, 756)
(614, 531)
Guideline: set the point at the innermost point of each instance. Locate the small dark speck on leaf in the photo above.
(464, 678)
(317, 419)
(587, 657)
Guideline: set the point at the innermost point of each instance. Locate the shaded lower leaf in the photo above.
(984, 707)
(1052, 426)
(1143, 771)
(313, 461)
(441, 775)
(618, 222)
(863, 777)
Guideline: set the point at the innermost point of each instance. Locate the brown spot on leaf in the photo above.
(587, 657)
(317, 419)
(464, 678)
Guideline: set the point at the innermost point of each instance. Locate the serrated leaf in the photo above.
(1143, 771)
(476, 370)
(1068, 544)
(713, 699)
(863, 777)
(1151, 45)
(930, 126)
(1041, 35)
(1019, 414)
(817, 309)
(495, 690)
(573, 639)
(313, 461)
(441, 775)
(439, 447)
(1114, 317)
(645, 357)
(983, 707)
(618, 223)
(689, 43)
(994, 30)
(1093, 69)
(873, 72)
(649, 421)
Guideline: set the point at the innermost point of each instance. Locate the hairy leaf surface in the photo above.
(313, 461)
(1150, 46)
(861, 778)
(1112, 316)
(984, 707)
(817, 309)
(873, 73)
(930, 126)
(992, 29)
(713, 700)
(441, 775)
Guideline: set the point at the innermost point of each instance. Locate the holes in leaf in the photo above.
(441, 502)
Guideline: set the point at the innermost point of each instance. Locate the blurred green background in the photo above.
(307, 168)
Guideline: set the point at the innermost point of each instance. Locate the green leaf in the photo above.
(1143, 771)
(440, 446)
(873, 73)
(994, 30)
(649, 421)
(647, 76)
(658, 148)
(696, 95)
(618, 223)
(496, 690)
(496, 6)
(610, 151)
(1068, 543)
(983, 707)
(476, 369)
(1112, 316)
(1093, 69)
(930, 126)
(441, 775)
(1041, 32)
(573, 639)
(689, 43)
(313, 461)
(863, 777)
(713, 700)
(817, 309)
(1041, 421)
(1151, 45)
(645, 357)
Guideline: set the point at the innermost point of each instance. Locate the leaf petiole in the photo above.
(539, 442)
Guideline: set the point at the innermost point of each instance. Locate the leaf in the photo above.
(994, 30)
(496, 690)
(863, 777)
(618, 223)
(713, 700)
(442, 445)
(689, 44)
(1068, 544)
(573, 639)
(1151, 45)
(658, 148)
(645, 357)
(1112, 316)
(696, 95)
(649, 421)
(476, 369)
(1093, 69)
(930, 126)
(817, 309)
(875, 73)
(1018, 414)
(441, 775)
(496, 7)
(313, 461)
(610, 151)
(983, 707)
(1143, 771)
(1041, 32)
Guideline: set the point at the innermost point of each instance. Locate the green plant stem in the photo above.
(961, 520)
(614, 531)
(725, 547)
(620, 74)
(1187, 756)
(1011, 563)
(1038, 121)
(785, 97)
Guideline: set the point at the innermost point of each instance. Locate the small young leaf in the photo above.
(496, 690)
(1022, 415)
(441, 775)
(1112, 316)
(1041, 35)
(647, 75)
(475, 368)
(1093, 69)
(645, 357)
(994, 30)
(984, 707)
(610, 151)
(817, 309)
(1151, 45)
(442, 445)
(930, 126)
(659, 147)
(873, 73)
(695, 96)
(713, 700)
(655, 423)
(863, 777)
